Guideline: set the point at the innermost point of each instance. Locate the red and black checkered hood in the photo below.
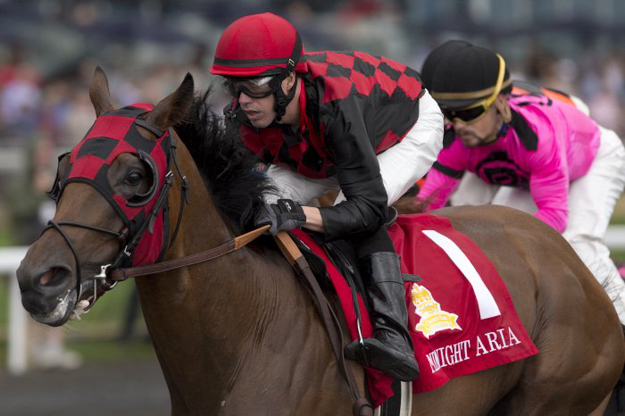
(112, 134)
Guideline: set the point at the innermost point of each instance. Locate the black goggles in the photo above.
(252, 87)
(465, 115)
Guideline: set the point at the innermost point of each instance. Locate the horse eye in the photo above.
(134, 178)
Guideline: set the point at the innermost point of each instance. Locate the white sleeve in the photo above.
(408, 161)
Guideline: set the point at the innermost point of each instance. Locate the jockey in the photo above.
(530, 148)
(321, 121)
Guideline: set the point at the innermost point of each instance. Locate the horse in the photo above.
(240, 335)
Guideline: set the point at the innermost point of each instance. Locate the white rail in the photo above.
(17, 348)
(10, 257)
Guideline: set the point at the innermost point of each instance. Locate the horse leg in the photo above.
(470, 395)
(565, 378)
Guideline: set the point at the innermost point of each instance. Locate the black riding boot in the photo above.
(390, 349)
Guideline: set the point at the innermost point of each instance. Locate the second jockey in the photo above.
(527, 147)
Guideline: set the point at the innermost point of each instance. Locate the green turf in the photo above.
(108, 350)
(103, 350)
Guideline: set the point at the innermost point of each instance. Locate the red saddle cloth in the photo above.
(460, 315)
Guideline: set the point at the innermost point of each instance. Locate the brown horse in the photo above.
(239, 335)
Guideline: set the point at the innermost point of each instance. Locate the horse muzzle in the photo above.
(47, 292)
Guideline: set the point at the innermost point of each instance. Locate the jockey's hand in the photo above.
(285, 215)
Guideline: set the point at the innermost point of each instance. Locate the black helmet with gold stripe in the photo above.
(461, 76)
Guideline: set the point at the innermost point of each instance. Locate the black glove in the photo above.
(285, 215)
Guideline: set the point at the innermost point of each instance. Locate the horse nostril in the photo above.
(54, 276)
(46, 277)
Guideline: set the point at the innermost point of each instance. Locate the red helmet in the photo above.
(257, 45)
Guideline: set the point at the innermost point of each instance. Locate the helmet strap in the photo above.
(282, 100)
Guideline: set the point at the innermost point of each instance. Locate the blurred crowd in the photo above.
(45, 107)
(43, 116)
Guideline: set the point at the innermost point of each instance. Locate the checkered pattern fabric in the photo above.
(112, 134)
(345, 93)
(364, 75)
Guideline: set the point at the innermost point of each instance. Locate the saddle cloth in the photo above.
(460, 315)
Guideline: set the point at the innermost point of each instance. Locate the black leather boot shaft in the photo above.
(390, 349)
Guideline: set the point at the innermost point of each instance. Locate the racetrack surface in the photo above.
(109, 389)
(120, 389)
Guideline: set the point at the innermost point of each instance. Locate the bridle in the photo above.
(127, 242)
(115, 271)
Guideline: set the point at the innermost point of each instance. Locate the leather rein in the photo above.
(201, 257)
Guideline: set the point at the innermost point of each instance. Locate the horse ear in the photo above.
(173, 108)
(99, 92)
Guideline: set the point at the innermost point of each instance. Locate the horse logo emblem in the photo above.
(433, 319)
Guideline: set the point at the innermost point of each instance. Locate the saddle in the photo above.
(460, 315)
(343, 258)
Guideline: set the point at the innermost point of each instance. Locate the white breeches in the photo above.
(400, 166)
(591, 203)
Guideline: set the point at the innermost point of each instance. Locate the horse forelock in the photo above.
(225, 164)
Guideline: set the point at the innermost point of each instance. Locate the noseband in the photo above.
(121, 238)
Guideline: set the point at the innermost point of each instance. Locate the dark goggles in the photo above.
(465, 115)
(252, 87)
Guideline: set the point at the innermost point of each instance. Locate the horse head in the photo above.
(111, 191)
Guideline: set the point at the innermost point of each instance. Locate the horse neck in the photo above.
(219, 313)
(202, 227)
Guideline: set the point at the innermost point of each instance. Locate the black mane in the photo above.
(225, 164)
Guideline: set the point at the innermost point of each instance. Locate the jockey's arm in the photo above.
(314, 220)
(364, 209)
